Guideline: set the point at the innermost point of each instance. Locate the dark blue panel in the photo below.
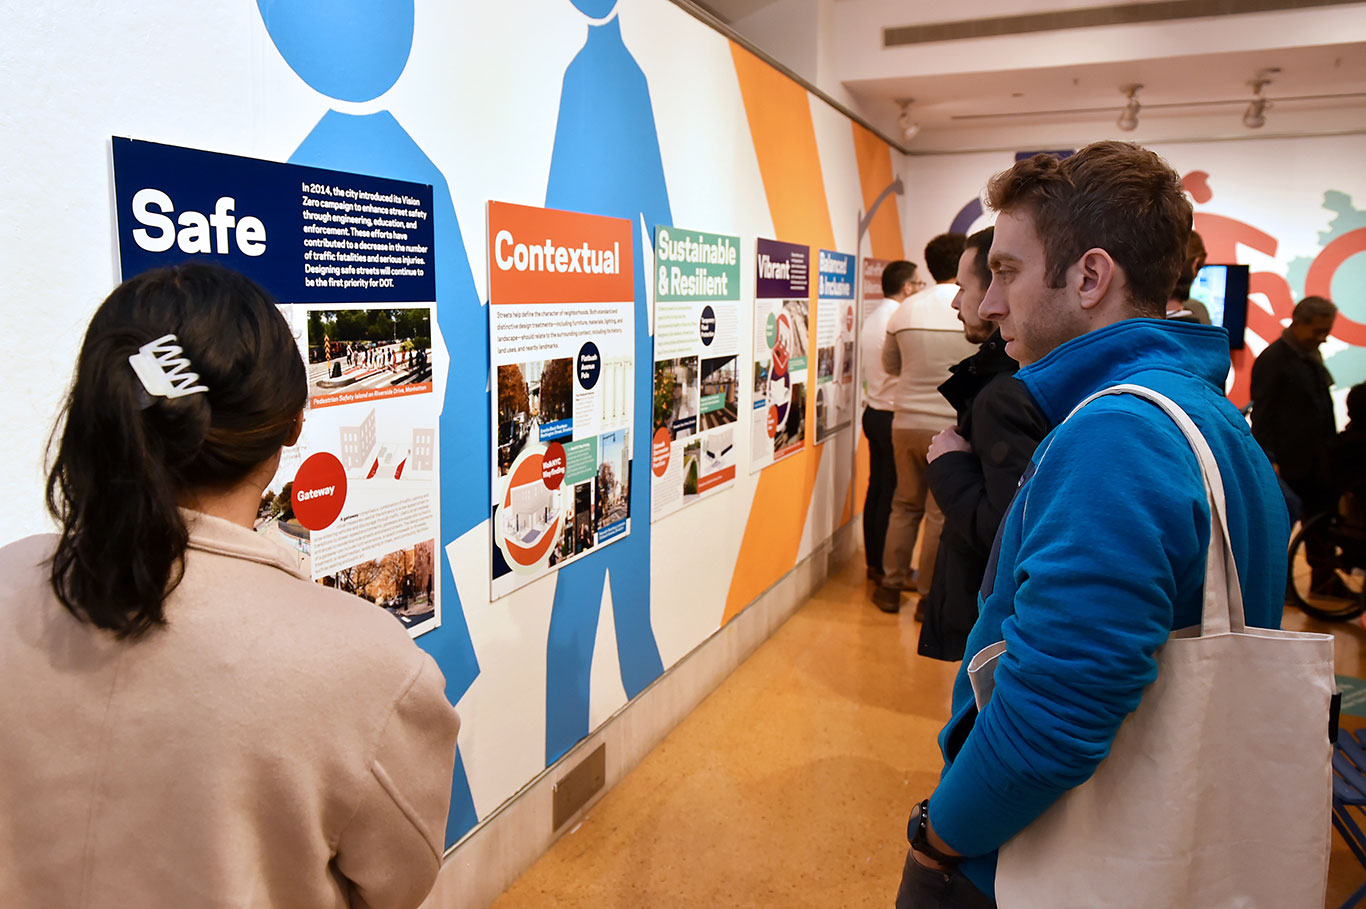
(306, 234)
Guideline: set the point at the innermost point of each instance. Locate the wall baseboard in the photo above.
(495, 853)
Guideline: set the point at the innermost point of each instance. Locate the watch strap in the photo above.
(918, 832)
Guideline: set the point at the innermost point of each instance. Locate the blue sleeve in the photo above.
(1115, 521)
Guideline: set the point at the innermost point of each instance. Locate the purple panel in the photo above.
(782, 269)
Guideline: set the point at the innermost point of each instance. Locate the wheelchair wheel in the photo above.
(1342, 598)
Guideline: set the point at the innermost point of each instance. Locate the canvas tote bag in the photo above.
(1217, 789)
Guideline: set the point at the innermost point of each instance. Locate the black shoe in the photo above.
(888, 599)
(875, 574)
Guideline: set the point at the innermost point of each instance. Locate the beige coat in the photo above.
(277, 744)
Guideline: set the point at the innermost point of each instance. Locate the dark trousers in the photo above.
(1317, 498)
(928, 888)
(877, 504)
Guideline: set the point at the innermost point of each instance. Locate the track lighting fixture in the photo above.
(1128, 117)
(1255, 115)
(909, 128)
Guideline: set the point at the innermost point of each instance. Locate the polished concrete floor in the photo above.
(790, 785)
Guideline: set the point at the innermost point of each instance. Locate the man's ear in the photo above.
(297, 430)
(1092, 276)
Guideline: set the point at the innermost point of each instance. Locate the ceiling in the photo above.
(1066, 86)
(1318, 89)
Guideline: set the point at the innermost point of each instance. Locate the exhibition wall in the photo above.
(634, 112)
(1293, 210)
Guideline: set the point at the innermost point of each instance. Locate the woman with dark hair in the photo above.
(187, 720)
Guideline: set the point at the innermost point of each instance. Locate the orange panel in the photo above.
(874, 173)
(858, 487)
(543, 255)
(884, 242)
(779, 115)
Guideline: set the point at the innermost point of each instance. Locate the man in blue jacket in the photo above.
(1086, 583)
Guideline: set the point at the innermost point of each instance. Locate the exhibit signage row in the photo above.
(561, 335)
(350, 259)
(697, 366)
(872, 283)
(781, 331)
(835, 335)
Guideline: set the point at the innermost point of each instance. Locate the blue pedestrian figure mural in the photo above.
(606, 161)
(355, 50)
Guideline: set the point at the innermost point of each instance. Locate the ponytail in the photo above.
(126, 460)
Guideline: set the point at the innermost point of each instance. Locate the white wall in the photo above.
(1278, 186)
(480, 96)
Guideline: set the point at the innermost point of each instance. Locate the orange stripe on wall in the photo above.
(874, 158)
(779, 115)
(874, 173)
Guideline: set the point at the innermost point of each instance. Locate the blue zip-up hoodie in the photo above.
(1099, 558)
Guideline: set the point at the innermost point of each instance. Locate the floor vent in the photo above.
(575, 788)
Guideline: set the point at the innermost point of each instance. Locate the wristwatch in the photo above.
(918, 832)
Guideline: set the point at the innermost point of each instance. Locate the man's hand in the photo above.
(946, 441)
(936, 843)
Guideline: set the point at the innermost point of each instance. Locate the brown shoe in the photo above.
(875, 574)
(888, 599)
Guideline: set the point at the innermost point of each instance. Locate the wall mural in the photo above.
(1297, 241)
(605, 159)
(1332, 273)
(355, 51)
(607, 162)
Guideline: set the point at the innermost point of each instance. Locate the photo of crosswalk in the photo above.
(360, 350)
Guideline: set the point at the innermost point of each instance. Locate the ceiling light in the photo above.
(1128, 117)
(909, 128)
(1255, 115)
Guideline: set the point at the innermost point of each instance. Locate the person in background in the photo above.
(975, 465)
(188, 719)
(1292, 418)
(898, 282)
(1347, 459)
(924, 338)
(1180, 306)
(1102, 554)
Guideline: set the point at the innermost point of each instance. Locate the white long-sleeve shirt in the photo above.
(924, 338)
(880, 387)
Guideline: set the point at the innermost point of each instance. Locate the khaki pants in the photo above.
(911, 503)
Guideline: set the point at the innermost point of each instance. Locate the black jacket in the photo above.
(1292, 411)
(1348, 462)
(1000, 420)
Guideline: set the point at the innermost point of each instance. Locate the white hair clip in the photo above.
(164, 370)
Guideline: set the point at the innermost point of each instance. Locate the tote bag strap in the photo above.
(1222, 611)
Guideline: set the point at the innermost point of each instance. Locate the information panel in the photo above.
(697, 366)
(781, 328)
(561, 330)
(872, 283)
(350, 259)
(835, 336)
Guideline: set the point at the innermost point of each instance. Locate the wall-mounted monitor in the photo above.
(1223, 291)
